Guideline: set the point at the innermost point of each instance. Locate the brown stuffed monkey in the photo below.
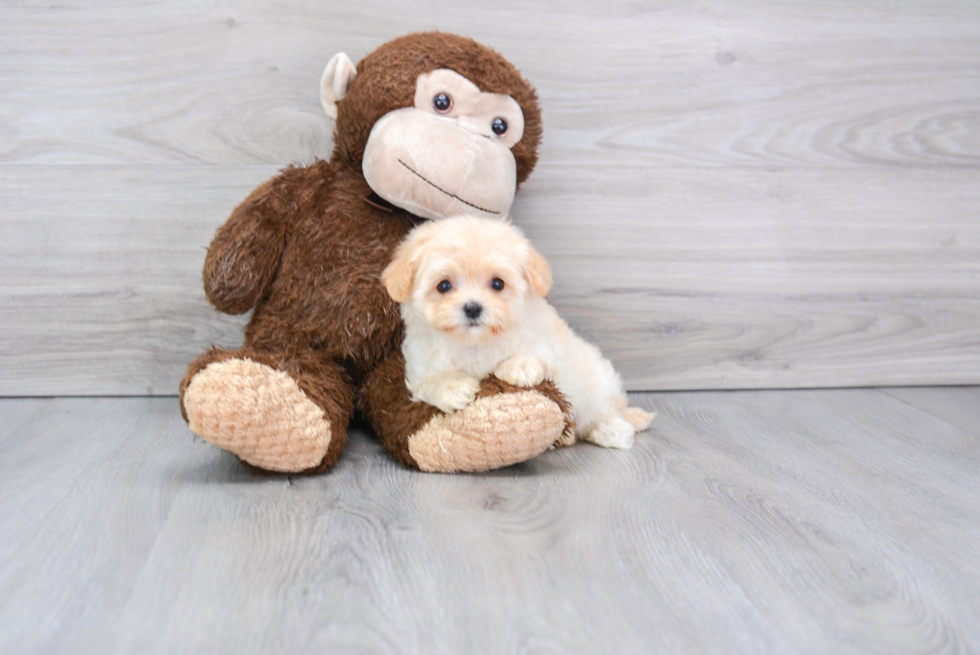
(427, 126)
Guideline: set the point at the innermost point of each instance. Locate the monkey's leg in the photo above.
(276, 411)
(505, 424)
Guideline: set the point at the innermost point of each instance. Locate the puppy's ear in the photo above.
(538, 273)
(400, 273)
(397, 277)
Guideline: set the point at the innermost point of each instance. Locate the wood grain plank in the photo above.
(867, 470)
(696, 279)
(87, 487)
(686, 278)
(762, 195)
(780, 521)
(762, 84)
(101, 280)
(958, 405)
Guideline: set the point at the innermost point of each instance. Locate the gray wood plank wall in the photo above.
(733, 195)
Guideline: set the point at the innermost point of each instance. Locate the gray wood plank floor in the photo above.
(822, 521)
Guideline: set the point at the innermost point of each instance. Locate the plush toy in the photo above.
(427, 126)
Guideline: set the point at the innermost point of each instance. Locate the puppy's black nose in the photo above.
(472, 310)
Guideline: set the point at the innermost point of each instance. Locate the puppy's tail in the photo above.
(639, 419)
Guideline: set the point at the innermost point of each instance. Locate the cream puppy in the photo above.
(472, 293)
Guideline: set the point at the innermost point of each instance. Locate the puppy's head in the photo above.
(467, 277)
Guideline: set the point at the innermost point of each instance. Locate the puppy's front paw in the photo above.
(522, 370)
(455, 393)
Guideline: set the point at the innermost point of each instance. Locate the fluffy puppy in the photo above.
(472, 293)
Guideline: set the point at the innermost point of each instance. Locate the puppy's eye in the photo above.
(442, 103)
(497, 284)
(444, 287)
(499, 126)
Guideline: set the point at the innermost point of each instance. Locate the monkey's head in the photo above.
(439, 124)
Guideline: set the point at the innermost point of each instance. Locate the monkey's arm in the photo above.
(244, 254)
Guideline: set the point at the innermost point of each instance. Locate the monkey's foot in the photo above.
(257, 413)
(491, 432)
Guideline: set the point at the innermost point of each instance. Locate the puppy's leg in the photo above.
(522, 370)
(449, 390)
(614, 432)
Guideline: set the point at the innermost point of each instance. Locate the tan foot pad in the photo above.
(257, 413)
(491, 432)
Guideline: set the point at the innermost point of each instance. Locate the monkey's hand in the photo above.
(244, 254)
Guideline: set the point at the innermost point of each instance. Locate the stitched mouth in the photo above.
(441, 190)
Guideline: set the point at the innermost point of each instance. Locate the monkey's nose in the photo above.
(472, 310)
(479, 128)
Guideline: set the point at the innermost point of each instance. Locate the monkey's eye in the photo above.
(444, 287)
(442, 103)
(497, 284)
(499, 126)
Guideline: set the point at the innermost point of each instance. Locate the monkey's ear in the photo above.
(337, 78)
(538, 273)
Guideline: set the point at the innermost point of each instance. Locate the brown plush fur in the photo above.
(306, 251)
